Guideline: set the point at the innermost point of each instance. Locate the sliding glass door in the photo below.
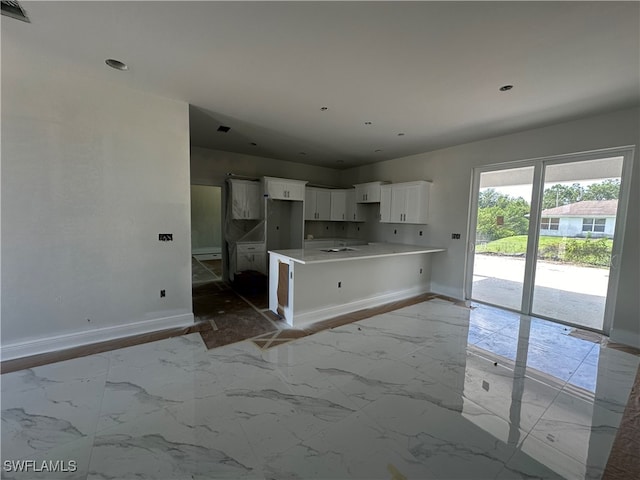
(547, 234)
(577, 227)
(502, 226)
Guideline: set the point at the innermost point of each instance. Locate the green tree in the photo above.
(558, 195)
(506, 217)
(606, 190)
(489, 197)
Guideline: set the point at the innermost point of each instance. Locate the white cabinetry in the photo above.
(245, 200)
(405, 203)
(339, 205)
(317, 204)
(251, 256)
(355, 212)
(284, 189)
(368, 192)
(385, 203)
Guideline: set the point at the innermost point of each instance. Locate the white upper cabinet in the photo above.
(385, 203)
(405, 203)
(317, 204)
(246, 199)
(355, 212)
(368, 192)
(284, 189)
(339, 205)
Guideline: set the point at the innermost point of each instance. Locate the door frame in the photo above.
(539, 164)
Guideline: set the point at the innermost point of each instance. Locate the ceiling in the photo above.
(428, 70)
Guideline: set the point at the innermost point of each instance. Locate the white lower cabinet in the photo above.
(251, 256)
(405, 202)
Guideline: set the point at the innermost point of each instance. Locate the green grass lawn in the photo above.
(550, 248)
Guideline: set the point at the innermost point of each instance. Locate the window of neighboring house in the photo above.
(593, 224)
(547, 223)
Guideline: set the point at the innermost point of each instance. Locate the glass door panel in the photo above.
(577, 225)
(502, 227)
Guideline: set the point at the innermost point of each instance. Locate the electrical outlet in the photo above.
(339, 284)
(420, 233)
(420, 271)
(163, 293)
(395, 232)
(165, 237)
(455, 236)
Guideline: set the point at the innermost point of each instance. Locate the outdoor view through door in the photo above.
(558, 267)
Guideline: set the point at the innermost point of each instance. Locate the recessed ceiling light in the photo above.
(401, 134)
(223, 128)
(117, 64)
(253, 143)
(324, 109)
(378, 150)
(506, 88)
(368, 123)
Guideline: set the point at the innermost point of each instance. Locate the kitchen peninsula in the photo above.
(312, 284)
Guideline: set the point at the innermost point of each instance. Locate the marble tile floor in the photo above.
(428, 391)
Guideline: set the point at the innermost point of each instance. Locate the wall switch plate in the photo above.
(455, 236)
(420, 233)
(165, 237)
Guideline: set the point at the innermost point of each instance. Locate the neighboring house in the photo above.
(595, 218)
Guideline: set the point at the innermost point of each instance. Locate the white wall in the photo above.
(92, 172)
(210, 167)
(450, 170)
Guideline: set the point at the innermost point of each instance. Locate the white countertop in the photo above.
(356, 252)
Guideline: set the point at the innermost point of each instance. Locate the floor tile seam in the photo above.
(99, 415)
(207, 268)
(582, 362)
(567, 454)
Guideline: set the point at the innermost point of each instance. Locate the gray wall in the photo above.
(210, 167)
(92, 172)
(450, 170)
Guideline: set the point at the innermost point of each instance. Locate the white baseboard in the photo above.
(626, 337)
(78, 339)
(312, 316)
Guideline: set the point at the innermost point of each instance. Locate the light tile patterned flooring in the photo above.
(429, 391)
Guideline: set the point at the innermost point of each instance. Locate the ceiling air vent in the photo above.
(14, 10)
(223, 129)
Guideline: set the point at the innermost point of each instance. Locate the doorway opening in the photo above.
(206, 234)
(546, 235)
